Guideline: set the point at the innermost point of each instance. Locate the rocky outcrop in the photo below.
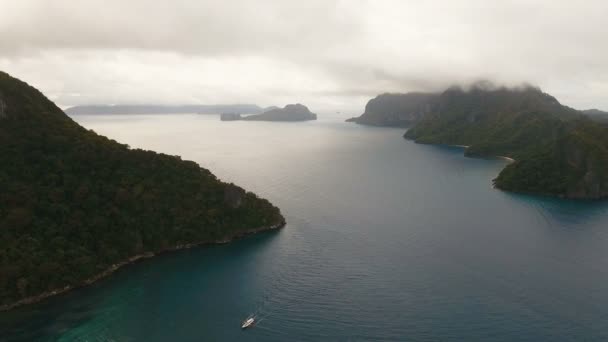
(233, 196)
(586, 161)
(398, 110)
(291, 112)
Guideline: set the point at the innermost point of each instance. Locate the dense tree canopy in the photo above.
(73, 203)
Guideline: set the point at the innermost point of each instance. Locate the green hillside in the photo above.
(74, 203)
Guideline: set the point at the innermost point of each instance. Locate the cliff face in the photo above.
(399, 110)
(74, 204)
(567, 169)
(291, 112)
(584, 151)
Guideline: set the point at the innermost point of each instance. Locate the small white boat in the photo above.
(248, 323)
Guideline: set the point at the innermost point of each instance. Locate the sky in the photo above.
(328, 55)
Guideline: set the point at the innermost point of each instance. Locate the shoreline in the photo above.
(147, 255)
(450, 145)
(505, 158)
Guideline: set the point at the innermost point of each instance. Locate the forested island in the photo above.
(75, 205)
(291, 112)
(558, 151)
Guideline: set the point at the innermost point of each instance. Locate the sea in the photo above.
(386, 240)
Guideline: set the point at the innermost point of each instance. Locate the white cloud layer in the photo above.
(330, 55)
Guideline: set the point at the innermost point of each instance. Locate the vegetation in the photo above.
(574, 164)
(74, 203)
(558, 151)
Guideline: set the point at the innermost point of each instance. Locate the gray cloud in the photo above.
(328, 54)
(188, 27)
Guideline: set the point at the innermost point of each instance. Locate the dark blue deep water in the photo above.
(386, 240)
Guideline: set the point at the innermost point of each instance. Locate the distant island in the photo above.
(75, 206)
(558, 151)
(163, 109)
(230, 116)
(291, 112)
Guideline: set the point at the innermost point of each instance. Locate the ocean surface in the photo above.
(386, 240)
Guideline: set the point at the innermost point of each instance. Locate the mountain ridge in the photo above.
(597, 115)
(163, 109)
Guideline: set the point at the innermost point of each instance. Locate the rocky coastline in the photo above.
(132, 260)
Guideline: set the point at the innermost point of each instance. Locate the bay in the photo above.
(385, 240)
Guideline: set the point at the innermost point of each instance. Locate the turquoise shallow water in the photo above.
(386, 240)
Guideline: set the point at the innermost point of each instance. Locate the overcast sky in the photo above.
(329, 55)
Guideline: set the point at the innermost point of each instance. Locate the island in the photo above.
(75, 206)
(291, 112)
(230, 116)
(557, 151)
